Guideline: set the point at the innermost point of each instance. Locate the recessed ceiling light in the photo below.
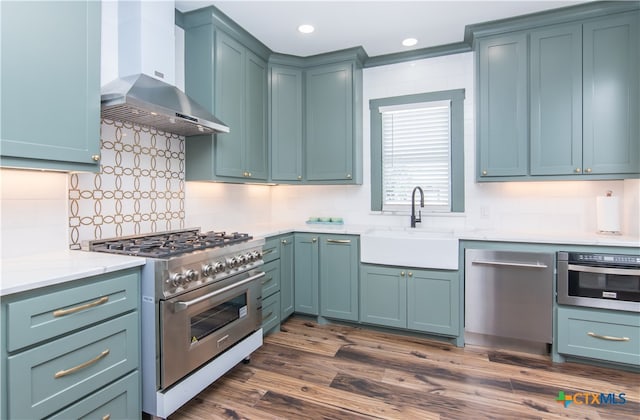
(306, 29)
(409, 42)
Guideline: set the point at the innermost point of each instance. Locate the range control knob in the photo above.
(219, 267)
(177, 279)
(232, 262)
(241, 259)
(248, 257)
(256, 255)
(208, 270)
(190, 275)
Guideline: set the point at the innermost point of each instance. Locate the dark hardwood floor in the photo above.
(312, 371)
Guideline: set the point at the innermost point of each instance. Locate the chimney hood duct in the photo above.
(144, 100)
(139, 39)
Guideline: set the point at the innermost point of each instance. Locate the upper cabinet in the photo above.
(226, 71)
(50, 85)
(560, 102)
(318, 139)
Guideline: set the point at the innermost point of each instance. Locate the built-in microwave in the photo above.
(609, 281)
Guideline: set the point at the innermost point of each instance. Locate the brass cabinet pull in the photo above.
(267, 280)
(578, 170)
(284, 242)
(348, 176)
(106, 417)
(402, 273)
(484, 173)
(607, 337)
(314, 239)
(299, 177)
(339, 241)
(95, 158)
(410, 274)
(63, 312)
(268, 251)
(267, 316)
(81, 366)
(588, 170)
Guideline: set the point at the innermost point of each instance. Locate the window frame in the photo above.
(456, 97)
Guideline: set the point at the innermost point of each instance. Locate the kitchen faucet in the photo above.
(415, 220)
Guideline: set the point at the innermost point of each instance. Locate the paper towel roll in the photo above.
(608, 214)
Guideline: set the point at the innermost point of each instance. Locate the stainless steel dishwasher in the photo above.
(508, 295)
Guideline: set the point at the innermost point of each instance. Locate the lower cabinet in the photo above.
(612, 336)
(277, 284)
(326, 275)
(414, 299)
(85, 363)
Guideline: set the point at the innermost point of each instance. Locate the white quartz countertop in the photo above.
(31, 272)
(542, 237)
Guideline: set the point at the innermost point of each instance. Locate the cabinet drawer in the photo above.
(48, 315)
(44, 379)
(598, 334)
(271, 249)
(271, 279)
(270, 312)
(120, 400)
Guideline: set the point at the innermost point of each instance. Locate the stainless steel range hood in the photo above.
(144, 100)
(139, 61)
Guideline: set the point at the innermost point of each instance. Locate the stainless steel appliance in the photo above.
(509, 295)
(201, 309)
(609, 281)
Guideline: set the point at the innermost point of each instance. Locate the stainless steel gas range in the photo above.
(201, 309)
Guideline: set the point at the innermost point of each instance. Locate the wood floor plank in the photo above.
(337, 371)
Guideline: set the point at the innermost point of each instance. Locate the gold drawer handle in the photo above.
(338, 241)
(63, 312)
(267, 280)
(607, 337)
(106, 417)
(82, 365)
(268, 251)
(267, 316)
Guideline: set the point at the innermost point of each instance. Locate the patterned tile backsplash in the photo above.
(140, 187)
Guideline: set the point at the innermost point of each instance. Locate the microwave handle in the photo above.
(181, 306)
(603, 270)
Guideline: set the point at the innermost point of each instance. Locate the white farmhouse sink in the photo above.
(410, 248)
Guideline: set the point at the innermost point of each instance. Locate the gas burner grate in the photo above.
(169, 244)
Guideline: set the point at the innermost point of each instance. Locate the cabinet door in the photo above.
(50, 84)
(229, 105)
(306, 274)
(383, 296)
(286, 124)
(432, 301)
(329, 140)
(611, 91)
(255, 157)
(556, 101)
(286, 276)
(339, 259)
(503, 113)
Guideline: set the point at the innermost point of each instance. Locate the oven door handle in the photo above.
(181, 306)
(603, 270)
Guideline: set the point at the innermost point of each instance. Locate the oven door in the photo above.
(199, 325)
(599, 286)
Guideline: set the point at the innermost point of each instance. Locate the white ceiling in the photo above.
(378, 26)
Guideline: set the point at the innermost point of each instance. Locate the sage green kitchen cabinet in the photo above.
(611, 94)
(306, 274)
(286, 124)
(241, 102)
(600, 334)
(286, 276)
(330, 123)
(50, 85)
(339, 275)
(225, 74)
(73, 349)
(503, 106)
(413, 299)
(556, 100)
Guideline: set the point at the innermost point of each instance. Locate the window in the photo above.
(417, 140)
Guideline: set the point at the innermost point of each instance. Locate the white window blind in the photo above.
(416, 151)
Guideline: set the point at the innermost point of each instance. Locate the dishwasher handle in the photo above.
(510, 264)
